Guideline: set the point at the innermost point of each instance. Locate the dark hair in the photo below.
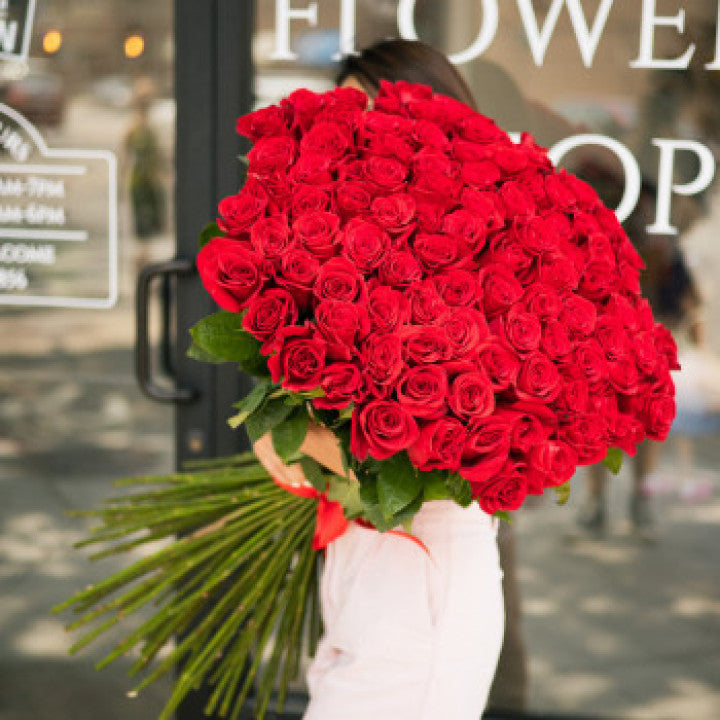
(409, 60)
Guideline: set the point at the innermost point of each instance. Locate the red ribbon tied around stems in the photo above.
(330, 520)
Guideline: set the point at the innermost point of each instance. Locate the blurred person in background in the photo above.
(141, 154)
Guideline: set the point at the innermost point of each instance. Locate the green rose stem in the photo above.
(236, 585)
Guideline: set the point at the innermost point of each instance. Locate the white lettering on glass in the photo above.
(650, 20)
(284, 14)
(588, 37)
(666, 186)
(633, 180)
(715, 64)
(486, 34)
(347, 29)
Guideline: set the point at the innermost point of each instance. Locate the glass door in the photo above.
(87, 174)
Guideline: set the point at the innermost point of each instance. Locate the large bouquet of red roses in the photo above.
(465, 308)
(462, 316)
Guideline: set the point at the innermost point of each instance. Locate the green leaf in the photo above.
(347, 493)
(289, 435)
(250, 403)
(435, 486)
(505, 516)
(197, 353)
(405, 516)
(265, 418)
(346, 412)
(562, 492)
(220, 337)
(210, 231)
(613, 460)
(459, 489)
(398, 484)
(313, 472)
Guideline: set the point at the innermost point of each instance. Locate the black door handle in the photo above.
(143, 370)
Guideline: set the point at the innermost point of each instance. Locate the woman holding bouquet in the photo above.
(413, 630)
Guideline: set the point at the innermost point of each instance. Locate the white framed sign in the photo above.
(58, 221)
(16, 21)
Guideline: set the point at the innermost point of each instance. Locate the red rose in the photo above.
(298, 270)
(472, 396)
(352, 198)
(481, 175)
(400, 269)
(543, 301)
(500, 363)
(309, 199)
(522, 330)
(500, 289)
(590, 358)
(426, 344)
(265, 122)
(486, 450)
(560, 192)
(387, 309)
(439, 445)
(268, 312)
(231, 272)
(365, 244)
(480, 129)
(558, 270)
(383, 361)
(556, 342)
(338, 279)
(598, 280)
(429, 134)
(665, 346)
(468, 226)
(426, 305)
(505, 492)
(317, 232)
(325, 138)
(659, 414)
(555, 461)
(390, 145)
(587, 435)
(466, 329)
(311, 169)
(342, 324)
(382, 428)
(341, 383)
(300, 360)
(517, 199)
(511, 159)
(394, 213)
(458, 287)
(387, 175)
(270, 236)
(271, 156)
(422, 391)
(301, 106)
(239, 212)
(485, 206)
(538, 379)
(578, 315)
(527, 430)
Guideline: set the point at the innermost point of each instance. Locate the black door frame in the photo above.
(213, 85)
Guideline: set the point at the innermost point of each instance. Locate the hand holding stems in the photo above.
(320, 444)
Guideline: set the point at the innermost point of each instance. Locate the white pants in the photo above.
(410, 636)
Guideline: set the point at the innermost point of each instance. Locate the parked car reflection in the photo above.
(39, 96)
